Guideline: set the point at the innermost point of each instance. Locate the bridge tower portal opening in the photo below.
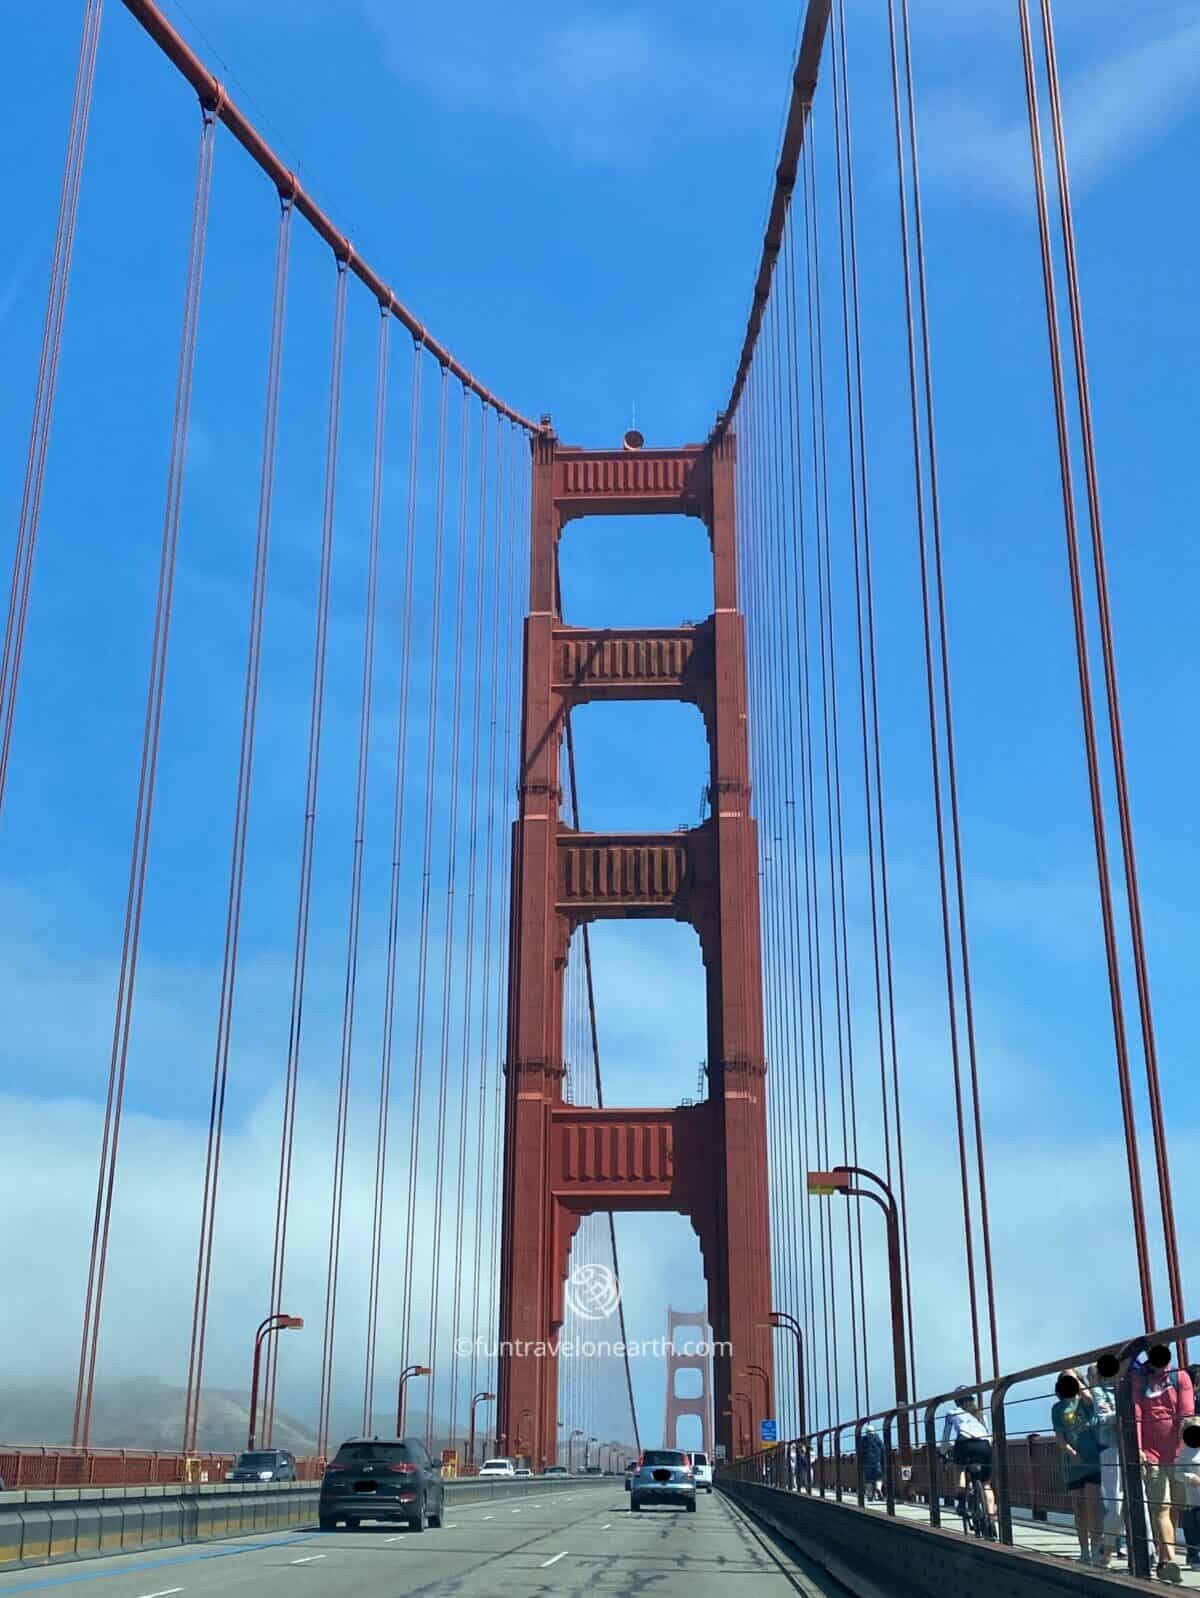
(707, 1161)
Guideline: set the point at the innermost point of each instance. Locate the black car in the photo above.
(388, 1479)
(263, 1464)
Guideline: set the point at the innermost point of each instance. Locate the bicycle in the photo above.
(973, 1506)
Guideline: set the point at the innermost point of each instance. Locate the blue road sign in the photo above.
(769, 1431)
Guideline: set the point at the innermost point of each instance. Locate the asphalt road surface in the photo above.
(567, 1544)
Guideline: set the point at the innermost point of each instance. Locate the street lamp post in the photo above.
(273, 1323)
(405, 1374)
(571, 1451)
(840, 1180)
(736, 1418)
(479, 1398)
(784, 1322)
(759, 1370)
(748, 1433)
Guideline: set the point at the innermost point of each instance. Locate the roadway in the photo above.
(567, 1544)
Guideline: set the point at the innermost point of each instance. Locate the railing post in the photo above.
(935, 1463)
(889, 1468)
(1137, 1525)
(836, 1451)
(1000, 1471)
(858, 1470)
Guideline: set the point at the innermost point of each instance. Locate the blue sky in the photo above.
(575, 208)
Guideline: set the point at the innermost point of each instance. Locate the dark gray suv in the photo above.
(263, 1464)
(381, 1479)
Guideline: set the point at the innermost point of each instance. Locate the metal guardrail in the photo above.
(1027, 1470)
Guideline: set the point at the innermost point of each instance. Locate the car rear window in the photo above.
(663, 1456)
(260, 1461)
(357, 1453)
(699, 1459)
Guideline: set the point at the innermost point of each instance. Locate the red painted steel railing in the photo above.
(1028, 1475)
(27, 1465)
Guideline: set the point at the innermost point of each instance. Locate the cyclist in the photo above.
(965, 1433)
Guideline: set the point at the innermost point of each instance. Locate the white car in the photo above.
(522, 1470)
(498, 1467)
(702, 1471)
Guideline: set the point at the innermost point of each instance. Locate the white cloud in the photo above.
(1112, 109)
(593, 84)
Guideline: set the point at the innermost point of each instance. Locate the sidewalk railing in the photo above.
(1027, 1463)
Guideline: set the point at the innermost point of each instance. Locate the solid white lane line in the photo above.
(163, 1592)
(308, 1559)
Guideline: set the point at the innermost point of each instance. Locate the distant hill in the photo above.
(149, 1414)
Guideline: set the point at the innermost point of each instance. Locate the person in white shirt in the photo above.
(966, 1435)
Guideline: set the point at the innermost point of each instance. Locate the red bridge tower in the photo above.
(707, 1161)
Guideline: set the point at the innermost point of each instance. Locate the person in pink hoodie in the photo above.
(1162, 1400)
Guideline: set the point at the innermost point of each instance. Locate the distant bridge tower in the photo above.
(696, 1325)
(563, 1161)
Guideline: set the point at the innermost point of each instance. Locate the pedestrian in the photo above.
(1162, 1400)
(1187, 1467)
(1076, 1422)
(870, 1459)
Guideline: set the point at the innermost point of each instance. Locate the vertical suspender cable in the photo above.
(366, 703)
(828, 1262)
(515, 607)
(985, 1228)
(47, 381)
(466, 1217)
(491, 937)
(868, 681)
(414, 1137)
(1108, 655)
(1095, 785)
(451, 907)
(304, 891)
(807, 1034)
(594, 1044)
(389, 1002)
(241, 821)
(140, 852)
(833, 804)
(930, 689)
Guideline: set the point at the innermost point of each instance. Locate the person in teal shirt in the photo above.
(1076, 1422)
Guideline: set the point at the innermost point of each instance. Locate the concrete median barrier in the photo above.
(46, 1526)
(53, 1526)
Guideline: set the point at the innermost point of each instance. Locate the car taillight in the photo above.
(406, 1469)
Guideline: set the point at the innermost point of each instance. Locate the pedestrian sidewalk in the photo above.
(1054, 1536)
